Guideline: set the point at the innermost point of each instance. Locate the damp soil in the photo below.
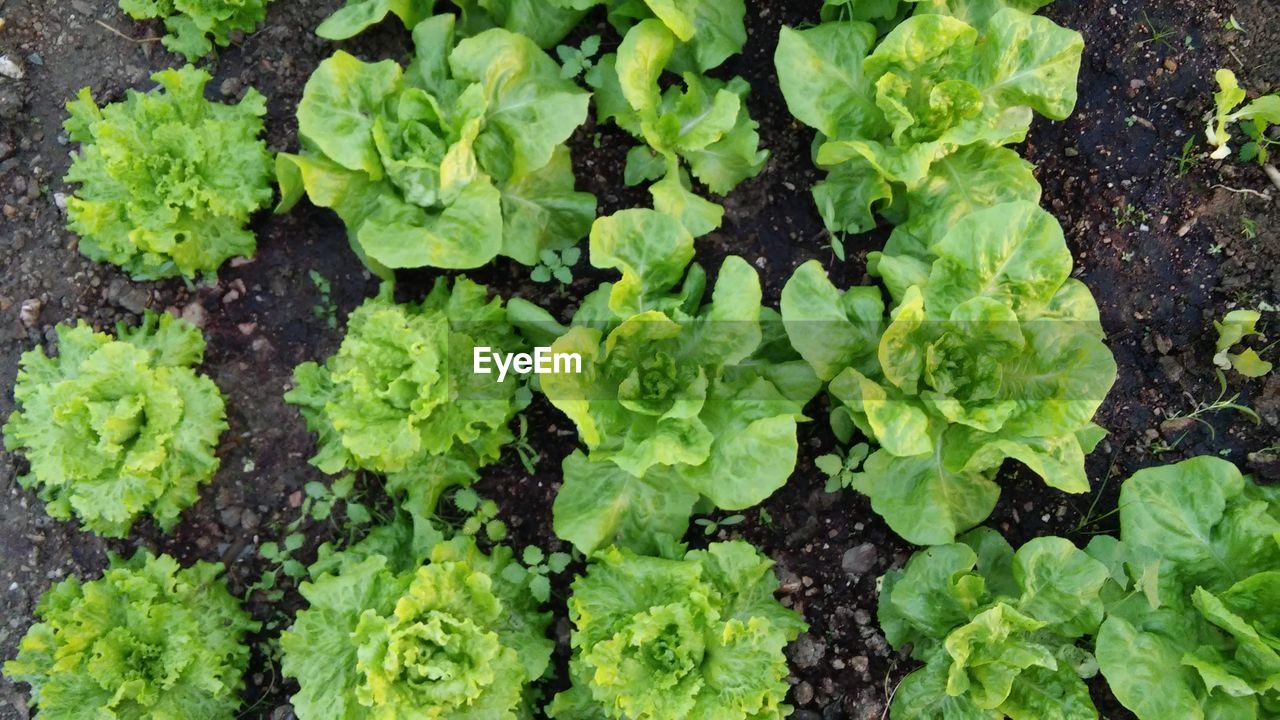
(1166, 245)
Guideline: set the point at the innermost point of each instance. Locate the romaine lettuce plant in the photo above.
(992, 351)
(700, 122)
(118, 427)
(167, 179)
(195, 25)
(546, 22)
(678, 402)
(996, 630)
(399, 394)
(448, 163)
(387, 636)
(953, 76)
(698, 638)
(1192, 624)
(150, 639)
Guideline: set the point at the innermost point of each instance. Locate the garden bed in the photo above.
(1166, 247)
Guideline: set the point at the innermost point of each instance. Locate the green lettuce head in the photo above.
(195, 25)
(997, 630)
(150, 639)
(991, 351)
(913, 124)
(118, 427)
(677, 400)
(1192, 629)
(167, 179)
(448, 163)
(699, 638)
(388, 638)
(546, 22)
(399, 394)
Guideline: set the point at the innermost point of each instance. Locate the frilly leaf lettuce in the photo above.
(991, 352)
(195, 25)
(1191, 626)
(167, 179)
(997, 630)
(953, 77)
(118, 427)
(677, 400)
(150, 639)
(399, 397)
(392, 633)
(700, 638)
(448, 163)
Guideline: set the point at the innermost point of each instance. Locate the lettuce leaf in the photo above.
(115, 428)
(195, 25)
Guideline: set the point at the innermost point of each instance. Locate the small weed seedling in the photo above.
(325, 309)
(710, 526)
(539, 567)
(1129, 214)
(529, 457)
(1188, 159)
(483, 515)
(577, 61)
(1154, 34)
(841, 469)
(1202, 409)
(558, 265)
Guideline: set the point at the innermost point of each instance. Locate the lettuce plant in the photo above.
(150, 639)
(546, 22)
(118, 427)
(991, 351)
(167, 179)
(700, 122)
(389, 636)
(1191, 628)
(997, 631)
(678, 402)
(952, 77)
(1256, 116)
(699, 638)
(195, 25)
(448, 163)
(399, 396)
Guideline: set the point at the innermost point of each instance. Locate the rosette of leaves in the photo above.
(997, 631)
(546, 22)
(698, 638)
(1255, 118)
(118, 427)
(697, 125)
(911, 126)
(991, 351)
(149, 639)
(391, 633)
(680, 403)
(1192, 626)
(450, 163)
(167, 179)
(399, 397)
(195, 25)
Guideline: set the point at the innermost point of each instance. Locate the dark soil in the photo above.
(1165, 251)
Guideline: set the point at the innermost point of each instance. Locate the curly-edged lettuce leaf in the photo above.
(448, 163)
(997, 630)
(149, 639)
(991, 352)
(955, 76)
(698, 126)
(401, 391)
(167, 179)
(677, 400)
(115, 428)
(1200, 639)
(448, 636)
(700, 637)
(196, 25)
